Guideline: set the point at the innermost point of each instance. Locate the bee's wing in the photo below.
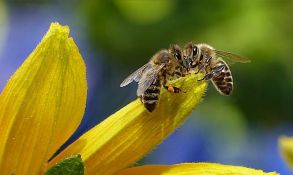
(136, 76)
(148, 77)
(232, 57)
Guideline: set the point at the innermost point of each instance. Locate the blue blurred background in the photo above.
(117, 37)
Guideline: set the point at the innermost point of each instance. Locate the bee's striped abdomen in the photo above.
(224, 81)
(150, 97)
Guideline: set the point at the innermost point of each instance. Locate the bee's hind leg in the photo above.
(207, 76)
(171, 88)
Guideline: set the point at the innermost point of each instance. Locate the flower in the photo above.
(43, 104)
(286, 149)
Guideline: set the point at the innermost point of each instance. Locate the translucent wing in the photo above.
(136, 76)
(232, 57)
(148, 77)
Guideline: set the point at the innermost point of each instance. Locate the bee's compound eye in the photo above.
(194, 51)
(177, 56)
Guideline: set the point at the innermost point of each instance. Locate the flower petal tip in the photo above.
(55, 27)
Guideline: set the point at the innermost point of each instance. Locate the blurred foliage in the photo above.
(128, 36)
(145, 12)
(129, 32)
(29, 1)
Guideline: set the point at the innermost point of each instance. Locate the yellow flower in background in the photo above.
(43, 104)
(286, 149)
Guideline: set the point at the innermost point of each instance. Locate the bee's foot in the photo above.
(204, 78)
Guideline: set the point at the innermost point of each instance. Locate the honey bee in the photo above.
(165, 65)
(203, 57)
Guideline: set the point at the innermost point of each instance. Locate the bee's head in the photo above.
(176, 53)
(190, 54)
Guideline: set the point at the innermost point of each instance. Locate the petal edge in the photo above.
(192, 169)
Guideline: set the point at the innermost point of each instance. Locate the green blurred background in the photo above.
(117, 37)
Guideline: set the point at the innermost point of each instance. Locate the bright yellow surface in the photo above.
(129, 134)
(42, 104)
(192, 169)
(286, 148)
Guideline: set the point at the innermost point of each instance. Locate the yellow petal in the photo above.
(286, 148)
(129, 134)
(192, 169)
(42, 103)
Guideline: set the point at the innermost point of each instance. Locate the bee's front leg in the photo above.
(201, 67)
